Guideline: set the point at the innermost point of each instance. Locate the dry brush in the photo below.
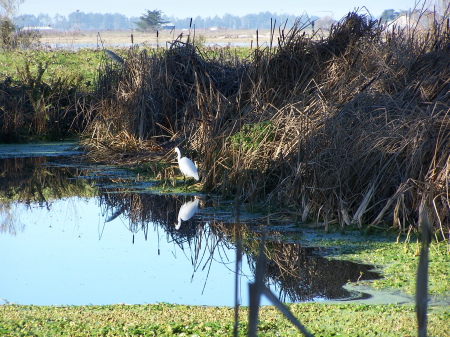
(351, 128)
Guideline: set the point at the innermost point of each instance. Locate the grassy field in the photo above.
(78, 67)
(175, 320)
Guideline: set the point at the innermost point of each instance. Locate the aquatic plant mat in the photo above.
(175, 320)
(350, 128)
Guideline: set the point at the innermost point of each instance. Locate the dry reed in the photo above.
(352, 128)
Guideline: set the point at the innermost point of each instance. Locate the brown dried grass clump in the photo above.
(350, 128)
(34, 108)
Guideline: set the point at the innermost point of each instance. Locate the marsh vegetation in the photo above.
(348, 129)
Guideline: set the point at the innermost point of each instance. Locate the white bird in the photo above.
(187, 211)
(187, 167)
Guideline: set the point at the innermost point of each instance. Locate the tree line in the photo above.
(96, 21)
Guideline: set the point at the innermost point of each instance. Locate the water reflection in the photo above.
(30, 179)
(300, 274)
(187, 211)
(83, 231)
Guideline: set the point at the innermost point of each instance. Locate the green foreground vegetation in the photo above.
(175, 320)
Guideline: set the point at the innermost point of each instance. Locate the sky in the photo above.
(204, 8)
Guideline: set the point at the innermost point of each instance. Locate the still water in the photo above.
(76, 46)
(74, 235)
(67, 254)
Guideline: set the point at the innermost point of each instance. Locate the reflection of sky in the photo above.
(63, 257)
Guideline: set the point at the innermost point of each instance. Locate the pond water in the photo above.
(72, 234)
(76, 46)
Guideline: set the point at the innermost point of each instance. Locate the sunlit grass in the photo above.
(81, 65)
(177, 320)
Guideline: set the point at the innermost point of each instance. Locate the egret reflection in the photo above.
(187, 211)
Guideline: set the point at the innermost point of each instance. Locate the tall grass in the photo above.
(46, 94)
(352, 128)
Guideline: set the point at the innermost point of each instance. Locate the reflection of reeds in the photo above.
(201, 241)
(159, 211)
(30, 180)
(139, 208)
(298, 273)
(302, 275)
(257, 289)
(33, 180)
(9, 221)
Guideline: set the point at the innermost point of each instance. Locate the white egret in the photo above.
(187, 167)
(187, 211)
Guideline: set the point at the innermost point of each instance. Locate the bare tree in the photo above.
(9, 8)
(323, 23)
(9, 37)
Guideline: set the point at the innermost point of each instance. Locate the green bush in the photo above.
(12, 38)
(252, 135)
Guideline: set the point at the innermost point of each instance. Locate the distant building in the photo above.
(419, 19)
(36, 28)
(168, 26)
